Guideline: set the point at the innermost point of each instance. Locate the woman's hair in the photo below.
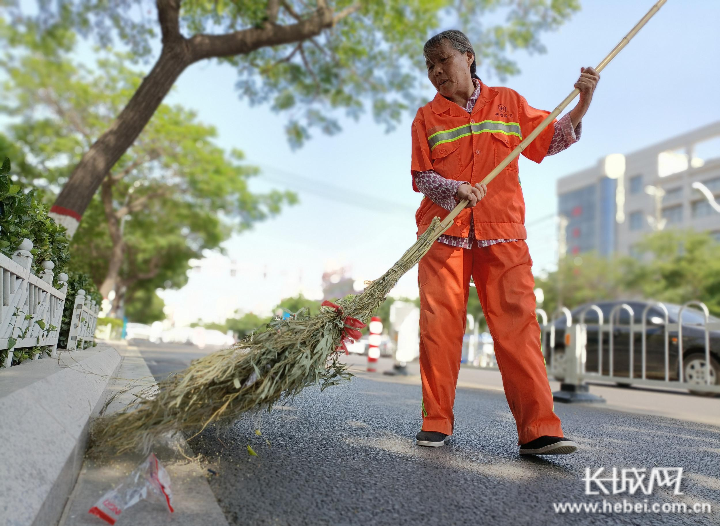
(458, 41)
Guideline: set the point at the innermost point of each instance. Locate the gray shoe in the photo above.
(430, 438)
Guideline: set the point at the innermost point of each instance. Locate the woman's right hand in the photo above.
(472, 193)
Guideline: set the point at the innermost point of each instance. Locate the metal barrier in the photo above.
(570, 365)
(710, 384)
(666, 330)
(555, 364)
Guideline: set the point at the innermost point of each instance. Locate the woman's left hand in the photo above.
(587, 83)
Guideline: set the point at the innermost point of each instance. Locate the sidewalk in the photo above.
(671, 404)
(45, 406)
(193, 501)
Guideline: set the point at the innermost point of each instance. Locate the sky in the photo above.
(662, 84)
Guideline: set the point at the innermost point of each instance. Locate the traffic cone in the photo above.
(376, 328)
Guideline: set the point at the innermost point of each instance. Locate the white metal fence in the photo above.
(31, 308)
(84, 321)
(677, 367)
(692, 370)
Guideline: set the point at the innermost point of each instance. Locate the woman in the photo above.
(457, 139)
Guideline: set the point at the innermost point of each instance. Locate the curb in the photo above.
(45, 407)
(193, 500)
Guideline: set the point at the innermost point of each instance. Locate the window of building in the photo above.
(636, 221)
(673, 193)
(673, 214)
(702, 209)
(636, 184)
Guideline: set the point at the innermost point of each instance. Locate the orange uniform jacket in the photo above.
(467, 146)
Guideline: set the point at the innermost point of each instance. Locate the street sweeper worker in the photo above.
(457, 139)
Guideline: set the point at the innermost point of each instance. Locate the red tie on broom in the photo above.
(286, 356)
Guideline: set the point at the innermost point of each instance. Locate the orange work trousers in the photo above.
(505, 285)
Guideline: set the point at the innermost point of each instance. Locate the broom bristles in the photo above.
(265, 368)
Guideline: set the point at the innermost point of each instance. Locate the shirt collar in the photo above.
(483, 95)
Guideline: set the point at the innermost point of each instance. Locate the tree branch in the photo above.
(248, 40)
(318, 86)
(273, 9)
(137, 276)
(291, 11)
(169, 18)
(137, 164)
(345, 12)
(106, 196)
(137, 204)
(290, 56)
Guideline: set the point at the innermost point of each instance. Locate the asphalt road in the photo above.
(347, 457)
(165, 358)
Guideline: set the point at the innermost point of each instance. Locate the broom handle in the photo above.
(448, 221)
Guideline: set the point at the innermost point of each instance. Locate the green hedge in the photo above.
(23, 215)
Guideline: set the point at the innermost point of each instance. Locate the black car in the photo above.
(693, 342)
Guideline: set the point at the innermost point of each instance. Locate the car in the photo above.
(693, 343)
(358, 347)
(137, 331)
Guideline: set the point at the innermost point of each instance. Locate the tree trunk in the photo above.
(97, 162)
(111, 278)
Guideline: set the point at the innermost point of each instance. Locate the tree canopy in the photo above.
(308, 59)
(363, 54)
(174, 193)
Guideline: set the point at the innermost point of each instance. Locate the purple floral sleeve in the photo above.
(564, 136)
(437, 188)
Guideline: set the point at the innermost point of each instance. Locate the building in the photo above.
(670, 185)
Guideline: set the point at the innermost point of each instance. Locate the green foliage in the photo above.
(22, 215)
(678, 266)
(672, 266)
(588, 278)
(246, 324)
(144, 306)
(370, 59)
(115, 323)
(293, 305)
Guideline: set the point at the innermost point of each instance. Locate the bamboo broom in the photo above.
(286, 356)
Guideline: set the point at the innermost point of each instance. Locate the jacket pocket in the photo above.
(445, 159)
(503, 145)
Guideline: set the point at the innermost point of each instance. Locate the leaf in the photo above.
(251, 451)
(11, 343)
(14, 189)
(41, 324)
(257, 432)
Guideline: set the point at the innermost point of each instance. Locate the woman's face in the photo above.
(449, 70)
